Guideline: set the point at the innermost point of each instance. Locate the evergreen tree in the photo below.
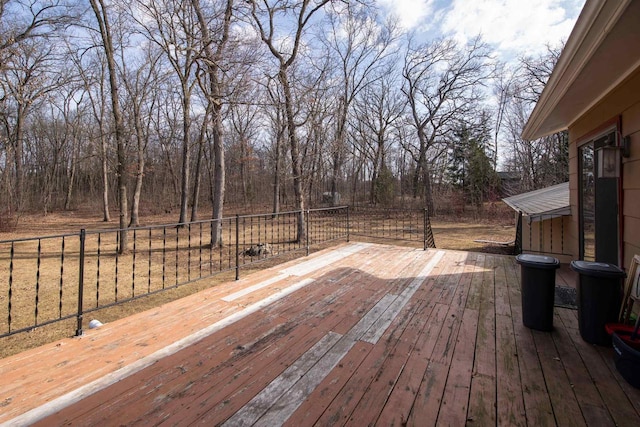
(470, 168)
(384, 189)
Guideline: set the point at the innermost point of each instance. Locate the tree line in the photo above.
(163, 105)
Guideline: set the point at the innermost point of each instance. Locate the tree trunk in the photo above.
(337, 166)
(106, 216)
(6, 211)
(122, 193)
(295, 156)
(135, 205)
(428, 193)
(19, 160)
(338, 158)
(105, 32)
(416, 179)
(186, 158)
(72, 174)
(197, 173)
(214, 96)
(276, 180)
(243, 169)
(219, 174)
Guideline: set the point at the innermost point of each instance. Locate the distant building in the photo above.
(510, 183)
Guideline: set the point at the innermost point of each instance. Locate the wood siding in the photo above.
(548, 237)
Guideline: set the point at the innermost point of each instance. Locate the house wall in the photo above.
(547, 237)
(623, 103)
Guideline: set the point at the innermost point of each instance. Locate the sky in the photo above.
(512, 27)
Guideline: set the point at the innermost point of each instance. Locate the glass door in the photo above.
(587, 202)
(598, 203)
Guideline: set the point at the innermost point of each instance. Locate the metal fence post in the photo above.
(83, 235)
(424, 228)
(348, 225)
(237, 247)
(308, 227)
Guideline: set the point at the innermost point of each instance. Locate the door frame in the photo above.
(611, 126)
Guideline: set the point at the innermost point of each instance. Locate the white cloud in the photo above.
(512, 26)
(410, 13)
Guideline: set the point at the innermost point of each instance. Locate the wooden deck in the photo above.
(360, 334)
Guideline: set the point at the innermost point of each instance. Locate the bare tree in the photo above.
(442, 85)
(23, 23)
(378, 112)
(27, 78)
(213, 54)
(67, 118)
(22, 20)
(360, 47)
(140, 84)
(502, 91)
(265, 15)
(278, 127)
(102, 17)
(544, 161)
(535, 71)
(172, 25)
(93, 76)
(243, 119)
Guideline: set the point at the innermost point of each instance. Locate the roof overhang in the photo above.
(601, 52)
(543, 204)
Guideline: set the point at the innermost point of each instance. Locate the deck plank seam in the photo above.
(53, 406)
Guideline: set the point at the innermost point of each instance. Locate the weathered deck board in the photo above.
(510, 402)
(611, 392)
(482, 400)
(430, 394)
(589, 399)
(456, 393)
(534, 392)
(361, 335)
(386, 381)
(348, 398)
(401, 401)
(561, 393)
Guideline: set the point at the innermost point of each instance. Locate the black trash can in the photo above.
(599, 299)
(538, 274)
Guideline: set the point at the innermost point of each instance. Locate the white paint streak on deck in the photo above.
(257, 286)
(275, 403)
(380, 326)
(310, 266)
(302, 269)
(257, 406)
(280, 399)
(78, 394)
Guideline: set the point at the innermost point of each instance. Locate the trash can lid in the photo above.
(598, 269)
(537, 261)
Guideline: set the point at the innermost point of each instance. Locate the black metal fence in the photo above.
(407, 225)
(53, 278)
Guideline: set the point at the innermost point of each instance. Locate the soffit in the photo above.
(602, 51)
